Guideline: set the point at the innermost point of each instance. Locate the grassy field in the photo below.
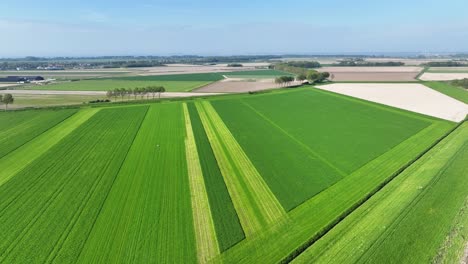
(40, 100)
(104, 85)
(450, 90)
(17, 129)
(228, 228)
(321, 151)
(388, 227)
(235, 179)
(49, 207)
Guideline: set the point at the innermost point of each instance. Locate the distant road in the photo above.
(102, 93)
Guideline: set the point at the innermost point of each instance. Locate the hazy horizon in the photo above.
(85, 28)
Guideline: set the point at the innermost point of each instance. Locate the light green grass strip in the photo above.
(357, 234)
(255, 204)
(205, 234)
(23, 156)
(315, 216)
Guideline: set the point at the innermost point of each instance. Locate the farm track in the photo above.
(255, 204)
(207, 244)
(51, 205)
(18, 159)
(312, 219)
(147, 216)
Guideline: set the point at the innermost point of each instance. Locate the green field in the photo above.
(17, 129)
(235, 179)
(320, 152)
(389, 226)
(450, 90)
(104, 85)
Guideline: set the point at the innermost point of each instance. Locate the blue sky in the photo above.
(208, 27)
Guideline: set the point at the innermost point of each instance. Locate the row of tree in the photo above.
(311, 76)
(6, 99)
(142, 92)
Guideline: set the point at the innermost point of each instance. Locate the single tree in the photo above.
(301, 77)
(7, 99)
(109, 94)
(161, 90)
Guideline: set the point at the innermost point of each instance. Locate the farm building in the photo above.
(18, 79)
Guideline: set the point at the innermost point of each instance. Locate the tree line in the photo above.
(135, 92)
(6, 99)
(362, 63)
(311, 76)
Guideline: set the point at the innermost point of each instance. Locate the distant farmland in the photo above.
(239, 179)
(172, 83)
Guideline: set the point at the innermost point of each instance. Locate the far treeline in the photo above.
(142, 92)
(461, 83)
(359, 62)
(445, 64)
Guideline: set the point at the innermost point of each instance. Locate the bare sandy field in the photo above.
(374, 76)
(187, 68)
(413, 97)
(235, 85)
(372, 69)
(377, 74)
(431, 76)
(3, 85)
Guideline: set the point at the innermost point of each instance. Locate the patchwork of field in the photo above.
(238, 179)
(414, 97)
(448, 76)
(458, 93)
(381, 74)
(420, 217)
(448, 69)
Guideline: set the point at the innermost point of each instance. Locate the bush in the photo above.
(99, 101)
(462, 83)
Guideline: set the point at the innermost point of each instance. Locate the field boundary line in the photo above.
(405, 166)
(315, 154)
(383, 236)
(58, 247)
(205, 234)
(254, 202)
(29, 121)
(21, 157)
(112, 185)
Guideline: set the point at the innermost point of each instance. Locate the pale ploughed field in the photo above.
(413, 97)
(380, 74)
(432, 76)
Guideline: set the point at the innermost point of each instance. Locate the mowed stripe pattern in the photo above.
(147, 217)
(15, 136)
(48, 209)
(207, 244)
(255, 204)
(228, 227)
(18, 159)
